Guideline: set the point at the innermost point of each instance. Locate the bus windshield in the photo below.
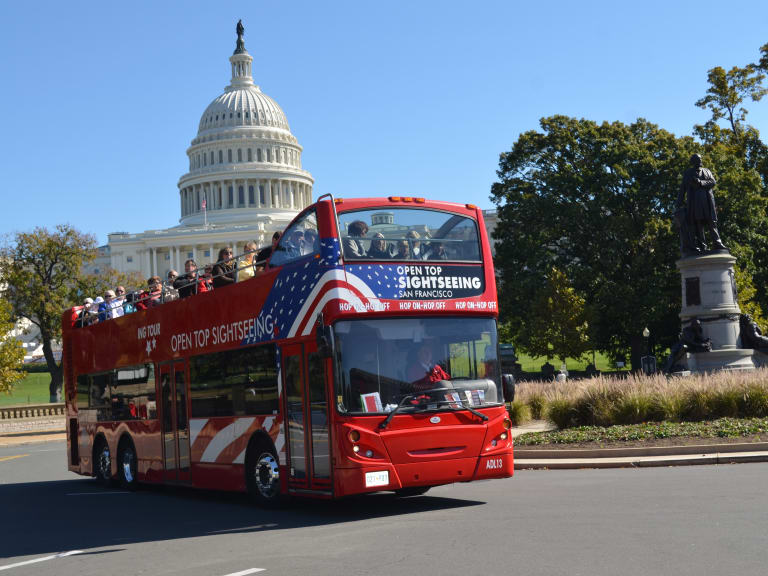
(452, 360)
(408, 234)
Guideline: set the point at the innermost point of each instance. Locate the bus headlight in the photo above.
(355, 448)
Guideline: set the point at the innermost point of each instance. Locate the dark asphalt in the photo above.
(692, 520)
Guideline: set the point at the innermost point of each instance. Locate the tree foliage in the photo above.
(558, 326)
(739, 159)
(595, 201)
(11, 352)
(42, 274)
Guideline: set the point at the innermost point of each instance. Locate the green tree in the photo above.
(727, 92)
(42, 273)
(558, 326)
(595, 201)
(739, 160)
(11, 352)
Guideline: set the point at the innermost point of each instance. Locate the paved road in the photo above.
(693, 520)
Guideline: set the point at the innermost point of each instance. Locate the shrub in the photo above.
(724, 403)
(696, 405)
(537, 403)
(560, 412)
(754, 401)
(596, 406)
(634, 409)
(519, 412)
(669, 407)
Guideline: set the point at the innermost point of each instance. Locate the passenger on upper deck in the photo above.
(224, 272)
(83, 315)
(265, 253)
(403, 251)
(190, 283)
(311, 241)
(379, 248)
(437, 251)
(353, 248)
(295, 245)
(416, 251)
(151, 297)
(112, 307)
(169, 292)
(246, 268)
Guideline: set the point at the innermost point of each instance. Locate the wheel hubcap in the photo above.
(128, 466)
(105, 464)
(267, 476)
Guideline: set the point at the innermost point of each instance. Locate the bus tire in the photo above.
(412, 491)
(102, 462)
(127, 465)
(262, 474)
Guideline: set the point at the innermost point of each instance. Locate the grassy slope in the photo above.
(32, 390)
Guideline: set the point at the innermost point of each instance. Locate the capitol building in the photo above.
(245, 181)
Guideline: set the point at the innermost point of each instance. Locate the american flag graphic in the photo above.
(302, 290)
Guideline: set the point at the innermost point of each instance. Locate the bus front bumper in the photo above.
(396, 476)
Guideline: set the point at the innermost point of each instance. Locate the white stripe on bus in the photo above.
(195, 427)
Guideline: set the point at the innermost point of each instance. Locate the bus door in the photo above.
(173, 388)
(306, 418)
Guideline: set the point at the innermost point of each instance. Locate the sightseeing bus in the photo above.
(363, 357)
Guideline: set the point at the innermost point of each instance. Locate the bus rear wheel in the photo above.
(262, 475)
(412, 491)
(127, 466)
(103, 463)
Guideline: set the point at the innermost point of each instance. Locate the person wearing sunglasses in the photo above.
(224, 271)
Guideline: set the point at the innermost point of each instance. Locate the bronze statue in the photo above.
(691, 340)
(751, 335)
(240, 29)
(696, 209)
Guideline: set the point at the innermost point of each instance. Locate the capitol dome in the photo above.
(244, 163)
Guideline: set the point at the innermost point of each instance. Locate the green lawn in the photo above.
(32, 390)
(529, 364)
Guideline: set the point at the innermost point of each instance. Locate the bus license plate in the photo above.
(376, 478)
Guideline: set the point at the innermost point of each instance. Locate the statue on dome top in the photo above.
(240, 31)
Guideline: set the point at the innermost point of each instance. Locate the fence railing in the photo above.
(31, 411)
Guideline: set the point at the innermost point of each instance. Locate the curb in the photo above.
(641, 457)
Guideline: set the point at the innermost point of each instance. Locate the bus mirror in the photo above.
(324, 348)
(508, 381)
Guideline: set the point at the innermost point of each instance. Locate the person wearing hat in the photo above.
(82, 313)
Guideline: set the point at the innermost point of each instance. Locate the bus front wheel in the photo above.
(262, 475)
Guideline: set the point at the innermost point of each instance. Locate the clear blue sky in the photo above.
(100, 100)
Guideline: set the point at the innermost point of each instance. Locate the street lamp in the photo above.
(648, 361)
(646, 335)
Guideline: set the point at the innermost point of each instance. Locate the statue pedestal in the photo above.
(709, 294)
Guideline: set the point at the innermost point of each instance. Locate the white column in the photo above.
(194, 252)
(210, 251)
(153, 270)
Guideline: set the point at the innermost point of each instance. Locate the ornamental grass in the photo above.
(637, 398)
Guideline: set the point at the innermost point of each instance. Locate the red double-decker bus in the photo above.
(363, 358)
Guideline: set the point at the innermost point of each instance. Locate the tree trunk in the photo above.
(55, 386)
(637, 351)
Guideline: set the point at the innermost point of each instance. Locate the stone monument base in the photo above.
(727, 359)
(709, 296)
